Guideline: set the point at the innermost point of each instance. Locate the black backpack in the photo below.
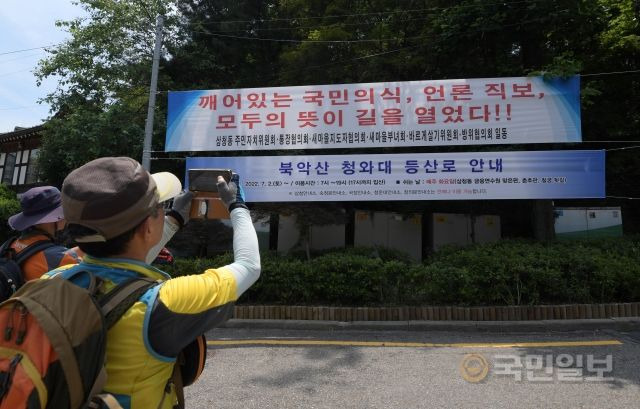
(11, 277)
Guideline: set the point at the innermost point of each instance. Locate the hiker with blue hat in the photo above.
(40, 225)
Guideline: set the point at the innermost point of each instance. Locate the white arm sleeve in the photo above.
(170, 228)
(246, 254)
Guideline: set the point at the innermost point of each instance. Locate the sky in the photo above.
(27, 24)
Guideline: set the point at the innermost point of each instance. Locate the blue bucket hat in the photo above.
(41, 204)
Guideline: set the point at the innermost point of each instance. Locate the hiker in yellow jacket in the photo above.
(113, 209)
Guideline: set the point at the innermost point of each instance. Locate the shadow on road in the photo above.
(323, 363)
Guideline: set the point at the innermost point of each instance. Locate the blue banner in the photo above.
(420, 176)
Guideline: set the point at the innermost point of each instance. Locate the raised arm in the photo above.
(188, 306)
(246, 255)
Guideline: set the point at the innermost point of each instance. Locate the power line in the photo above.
(610, 73)
(614, 141)
(137, 92)
(623, 197)
(30, 49)
(317, 27)
(290, 40)
(416, 46)
(625, 148)
(21, 58)
(313, 67)
(6, 74)
(316, 17)
(333, 25)
(347, 61)
(504, 3)
(379, 13)
(287, 40)
(15, 108)
(384, 52)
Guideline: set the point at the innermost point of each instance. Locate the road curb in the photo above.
(617, 324)
(438, 313)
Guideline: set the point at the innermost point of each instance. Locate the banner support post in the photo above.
(148, 128)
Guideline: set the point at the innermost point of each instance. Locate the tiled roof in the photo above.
(21, 134)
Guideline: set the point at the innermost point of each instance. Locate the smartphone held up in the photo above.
(206, 203)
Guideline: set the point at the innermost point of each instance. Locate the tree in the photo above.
(101, 99)
(209, 55)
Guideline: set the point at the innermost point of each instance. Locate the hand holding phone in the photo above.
(231, 194)
(206, 203)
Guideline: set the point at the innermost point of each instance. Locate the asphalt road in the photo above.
(341, 369)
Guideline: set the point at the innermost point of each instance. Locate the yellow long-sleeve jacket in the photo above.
(143, 345)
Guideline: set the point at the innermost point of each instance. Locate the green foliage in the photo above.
(102, 95)
(9, 205)
(108, 55)
(523, 272)
(505, 273)
(621, 33)
(86, 133)
(564, 66)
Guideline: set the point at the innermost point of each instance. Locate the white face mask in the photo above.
(168, 231)
(152, 254)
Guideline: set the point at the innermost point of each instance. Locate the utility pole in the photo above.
(148, 128)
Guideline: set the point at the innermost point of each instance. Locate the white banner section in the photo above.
(390, 114)
(421, 176)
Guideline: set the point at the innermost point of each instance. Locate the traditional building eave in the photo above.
(21, 135)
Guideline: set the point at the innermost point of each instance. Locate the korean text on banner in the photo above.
(390, 114)
(420, 176)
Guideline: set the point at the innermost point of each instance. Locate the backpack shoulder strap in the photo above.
(176, 378)
(113, 305)
(32, 249)
(7, 245)
(117, 301)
